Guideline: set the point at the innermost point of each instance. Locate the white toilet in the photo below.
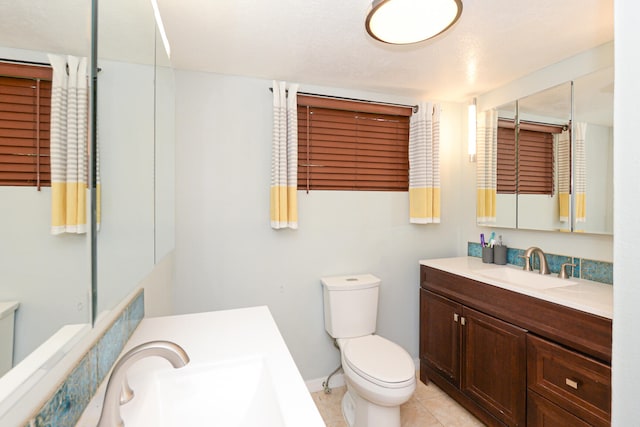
(380, 375)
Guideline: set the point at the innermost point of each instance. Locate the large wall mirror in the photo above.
(50, 276)
(553, 158)
(593, 112)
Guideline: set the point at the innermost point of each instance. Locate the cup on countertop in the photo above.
(487, 254)
(500, 254)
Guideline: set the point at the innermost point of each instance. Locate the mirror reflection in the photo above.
(50, 276)
(126, 138)
(552, 166)
(593, 111)
(505, 197)
(47, 275)
(543, 177)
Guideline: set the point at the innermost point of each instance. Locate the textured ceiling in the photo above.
(322, 42)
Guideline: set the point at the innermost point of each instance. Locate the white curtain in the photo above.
(424, 165)
(487, 166)
(284, 157)
(68, 140)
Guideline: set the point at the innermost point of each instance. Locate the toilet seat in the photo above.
(379, 361)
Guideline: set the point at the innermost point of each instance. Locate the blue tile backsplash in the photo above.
(597, 271)
(72, 397)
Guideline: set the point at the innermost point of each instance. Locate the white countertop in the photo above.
(220, 336)
(588, 296)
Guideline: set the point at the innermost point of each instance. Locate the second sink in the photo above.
(525, 279)
(235, 393)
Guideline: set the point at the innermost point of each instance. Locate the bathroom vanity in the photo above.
(532, 353)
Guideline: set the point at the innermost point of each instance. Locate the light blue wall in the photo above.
(227, 255)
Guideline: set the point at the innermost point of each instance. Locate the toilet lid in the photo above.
(379, 360)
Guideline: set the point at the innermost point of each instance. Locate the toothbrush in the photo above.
(482, 239)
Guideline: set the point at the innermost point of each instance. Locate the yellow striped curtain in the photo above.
(68, 145)
(580, 172)
(487, 165)
(564, 174)
(424, 165)
(284, 157)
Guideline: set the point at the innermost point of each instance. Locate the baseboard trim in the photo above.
(316, 384)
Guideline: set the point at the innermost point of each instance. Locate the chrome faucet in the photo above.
(528, 265)
(110, 416)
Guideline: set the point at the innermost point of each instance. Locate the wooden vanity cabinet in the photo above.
(480, 356)
(511, 359)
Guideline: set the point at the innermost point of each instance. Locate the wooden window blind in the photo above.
(535, 162)
(351, 145)
(529, 167)
(506, 175)
(25, 108)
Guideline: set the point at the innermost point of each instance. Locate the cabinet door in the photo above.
(494, 366)
(439, 335)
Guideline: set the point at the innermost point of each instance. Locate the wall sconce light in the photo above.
(471, 130)
(411, 21)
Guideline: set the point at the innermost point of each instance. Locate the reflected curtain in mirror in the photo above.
(68, 145)
(563, 144)
(580, 174)
(424, 165)
(487, 165)
(284, 157)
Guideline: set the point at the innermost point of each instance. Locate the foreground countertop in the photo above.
(219, 336)
(588, 296)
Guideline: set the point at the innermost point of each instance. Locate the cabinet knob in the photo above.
(455, 317)
(463, 321)
(571, 383)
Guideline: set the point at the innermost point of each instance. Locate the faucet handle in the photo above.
(527, 262)
(563, 270)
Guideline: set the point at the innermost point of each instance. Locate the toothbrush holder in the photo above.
(500, 255)
(487, 255)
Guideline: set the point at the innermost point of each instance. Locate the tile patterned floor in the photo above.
(429, 407)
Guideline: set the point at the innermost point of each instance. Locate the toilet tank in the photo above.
(350, 305)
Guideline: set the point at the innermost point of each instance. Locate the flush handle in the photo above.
(571, 383)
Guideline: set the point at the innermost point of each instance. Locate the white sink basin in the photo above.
(236, 393)
(526, 279)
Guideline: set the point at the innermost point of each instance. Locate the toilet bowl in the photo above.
(380, 375)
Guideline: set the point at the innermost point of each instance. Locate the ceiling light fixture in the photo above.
(411, 21)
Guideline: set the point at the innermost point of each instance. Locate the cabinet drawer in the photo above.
(575, 382)
(543, 413)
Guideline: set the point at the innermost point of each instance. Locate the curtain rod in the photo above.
(533, 122)
(414, 108)
(20, 61)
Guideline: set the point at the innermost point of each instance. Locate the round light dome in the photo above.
(411, 21)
